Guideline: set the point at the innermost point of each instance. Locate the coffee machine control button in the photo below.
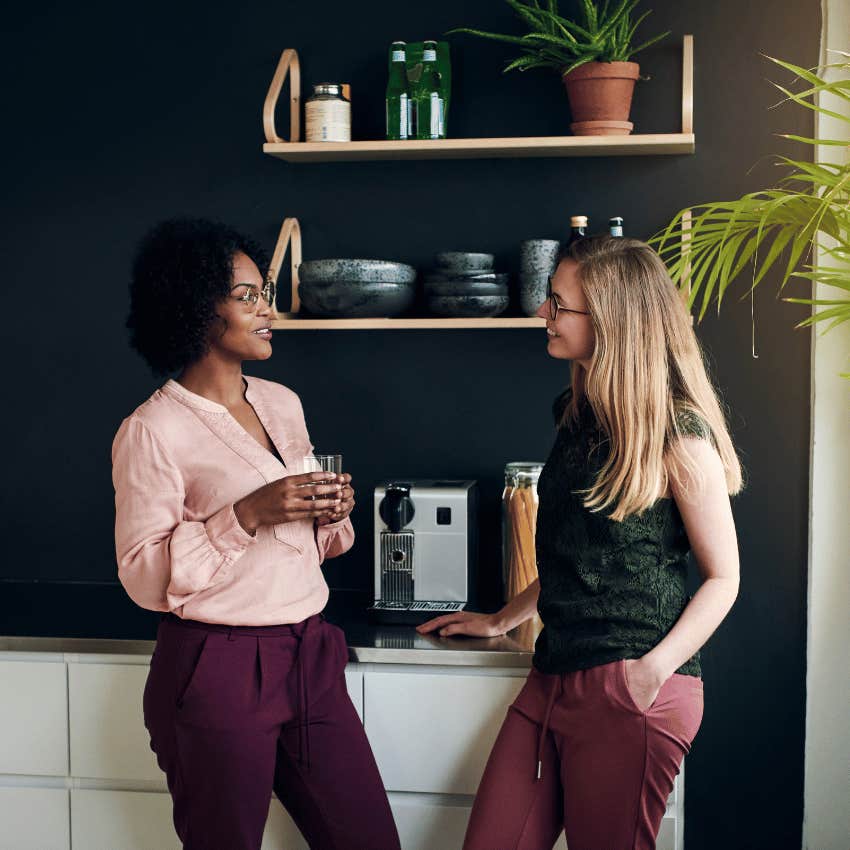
(444, 516)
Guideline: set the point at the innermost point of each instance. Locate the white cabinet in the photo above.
(667, 838)
(34, 819)
(281, 832)
(433, 732)
(33, 718)
(354, 683)
(426, 826)
(122, 820)
(108, 735)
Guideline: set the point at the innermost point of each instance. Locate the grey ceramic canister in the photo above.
(537, 260)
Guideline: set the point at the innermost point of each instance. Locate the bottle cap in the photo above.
(578, 221)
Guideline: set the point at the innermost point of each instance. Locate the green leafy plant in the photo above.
(809, 208)
(604, 34)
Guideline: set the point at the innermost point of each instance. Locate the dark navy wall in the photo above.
(114, 121)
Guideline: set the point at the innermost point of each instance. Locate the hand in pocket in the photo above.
(643, 683)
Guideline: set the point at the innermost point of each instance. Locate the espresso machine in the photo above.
(426, 549)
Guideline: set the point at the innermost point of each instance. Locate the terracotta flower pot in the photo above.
(600, 95)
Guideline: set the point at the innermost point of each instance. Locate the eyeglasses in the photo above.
(252, 294)
(555, 307)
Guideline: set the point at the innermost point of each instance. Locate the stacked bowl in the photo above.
(465, 285)
(356, 289)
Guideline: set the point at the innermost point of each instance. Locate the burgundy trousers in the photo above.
(236, 713)
(575, 753)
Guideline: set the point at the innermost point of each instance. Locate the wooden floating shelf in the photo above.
(290, 322)
(294, 150)
(516, 148)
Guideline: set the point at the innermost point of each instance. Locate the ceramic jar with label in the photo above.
(327, 114)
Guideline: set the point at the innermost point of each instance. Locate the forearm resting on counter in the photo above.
(521, 608)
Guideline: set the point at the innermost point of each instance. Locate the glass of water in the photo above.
(321, 463)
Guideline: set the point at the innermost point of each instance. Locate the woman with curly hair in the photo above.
(214, 527)
(640, 474)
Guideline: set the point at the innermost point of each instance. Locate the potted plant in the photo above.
(808, 210)
(591, 55)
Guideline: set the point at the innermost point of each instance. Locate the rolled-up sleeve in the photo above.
(163, 560)
(335, 538)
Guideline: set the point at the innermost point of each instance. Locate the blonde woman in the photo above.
(640, 473)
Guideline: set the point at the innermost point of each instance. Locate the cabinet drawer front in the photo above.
(33, 718)
(108, 735)
(281, 832)
(425, 826)
(354, 683)
(34, 819)
(129, 820)
(433, 732)
(667, 835)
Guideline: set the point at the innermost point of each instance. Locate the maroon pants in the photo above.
(234, 713)
(605, 767)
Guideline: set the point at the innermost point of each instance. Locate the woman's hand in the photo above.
(346, 505)
(643, 681)
(289, 499)
(464, 623)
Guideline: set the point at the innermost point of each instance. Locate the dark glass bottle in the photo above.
(578, 228)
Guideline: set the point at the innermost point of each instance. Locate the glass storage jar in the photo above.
(519, 520)
(328, 114)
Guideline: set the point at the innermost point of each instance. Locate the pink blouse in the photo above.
(179, 463)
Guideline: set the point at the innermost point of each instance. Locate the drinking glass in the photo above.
(321, 463)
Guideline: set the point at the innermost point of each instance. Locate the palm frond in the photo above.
(777, 228)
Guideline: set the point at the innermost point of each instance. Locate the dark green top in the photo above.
(608, 590)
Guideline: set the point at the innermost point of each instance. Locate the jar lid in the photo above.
(328, 88)
(522, 472)
(524, 466)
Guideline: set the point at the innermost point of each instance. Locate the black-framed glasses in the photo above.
(555, 307)
(251, 296)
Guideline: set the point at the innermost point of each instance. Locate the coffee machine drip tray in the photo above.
(411, 613)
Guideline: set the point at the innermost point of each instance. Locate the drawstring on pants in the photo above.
(544, 729)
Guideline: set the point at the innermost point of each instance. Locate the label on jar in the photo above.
(328, 120)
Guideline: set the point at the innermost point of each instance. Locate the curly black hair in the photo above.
(183, 268)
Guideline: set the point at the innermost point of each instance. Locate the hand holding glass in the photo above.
(323, 463)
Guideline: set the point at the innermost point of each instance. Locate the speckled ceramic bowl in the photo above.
(464, 261)
(464, 287)
(468, 306)
(356, 299)
(349, 271)
(459, 277)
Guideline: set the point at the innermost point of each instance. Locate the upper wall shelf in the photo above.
(295, 150)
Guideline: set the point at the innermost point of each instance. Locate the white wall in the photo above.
(826, 824)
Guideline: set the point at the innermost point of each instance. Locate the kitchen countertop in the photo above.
(367, 643)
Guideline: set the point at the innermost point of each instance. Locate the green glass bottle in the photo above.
(428, 104)
(398, 98)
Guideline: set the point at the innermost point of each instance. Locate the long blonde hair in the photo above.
(646, 372)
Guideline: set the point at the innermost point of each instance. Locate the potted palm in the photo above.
(806, 215)
(591, 55)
